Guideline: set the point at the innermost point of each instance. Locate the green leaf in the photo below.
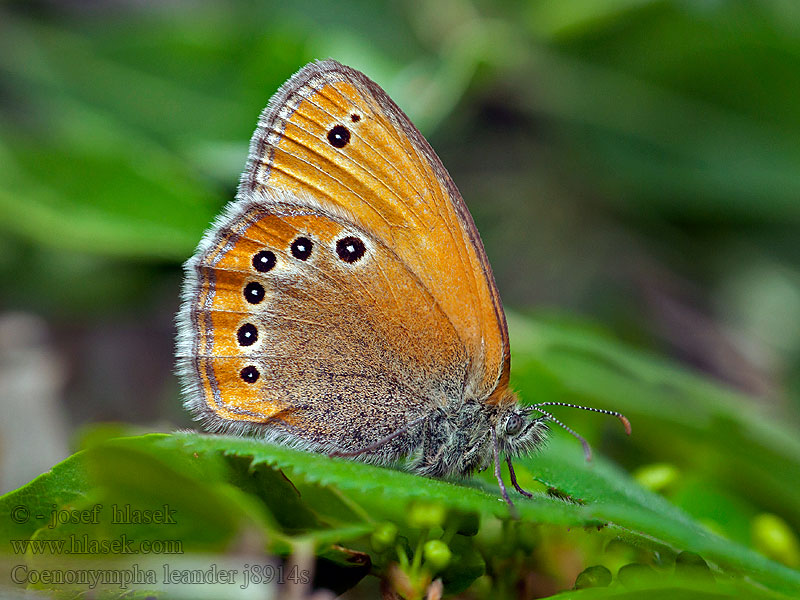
(26, 509)
(607, 494)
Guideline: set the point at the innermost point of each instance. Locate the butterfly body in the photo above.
(343, 303)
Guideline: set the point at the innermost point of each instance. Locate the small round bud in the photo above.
(774, 537)
(383, 537)
(425, 516)
(657, 476)
(437, 554)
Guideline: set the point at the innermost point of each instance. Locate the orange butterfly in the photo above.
(343, 303)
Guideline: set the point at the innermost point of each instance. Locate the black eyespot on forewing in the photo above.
(247, 334)
(254, 292)
(301, 248)
(264, 261)
(350, 249)
(249, 374)
(339, 136)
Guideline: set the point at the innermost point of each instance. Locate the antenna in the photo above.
(586, 449)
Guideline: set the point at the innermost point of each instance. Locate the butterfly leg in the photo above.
(499, 475)
(514, 479)
(379, 443)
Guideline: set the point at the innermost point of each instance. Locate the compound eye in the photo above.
(514, 424)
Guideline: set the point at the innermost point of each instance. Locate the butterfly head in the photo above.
(521, 429)
(517, 433)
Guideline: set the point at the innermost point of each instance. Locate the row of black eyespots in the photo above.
(247, 335)
(349, 249)
(265, 260)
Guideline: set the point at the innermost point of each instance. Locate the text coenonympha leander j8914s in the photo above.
(343, 303)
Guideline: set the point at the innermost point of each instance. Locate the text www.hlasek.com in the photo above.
(83, 544)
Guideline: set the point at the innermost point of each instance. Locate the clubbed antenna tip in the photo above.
(625, 423)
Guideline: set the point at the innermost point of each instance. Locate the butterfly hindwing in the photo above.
(325, 342)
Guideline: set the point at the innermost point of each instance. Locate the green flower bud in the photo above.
(425, 516)
(383, 537)
(658, 476)
(774, 537)
(437, 554)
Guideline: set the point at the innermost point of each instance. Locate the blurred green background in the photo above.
(633, 163)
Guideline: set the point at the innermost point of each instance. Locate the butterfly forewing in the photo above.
(335, 139)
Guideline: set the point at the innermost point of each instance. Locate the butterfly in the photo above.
(344, 303)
